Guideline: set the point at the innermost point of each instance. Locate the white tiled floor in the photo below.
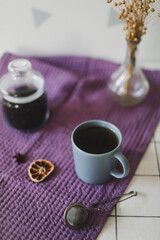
(139, 218)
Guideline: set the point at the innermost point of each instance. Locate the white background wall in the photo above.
(71, 27)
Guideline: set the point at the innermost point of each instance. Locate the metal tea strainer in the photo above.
(76, 214)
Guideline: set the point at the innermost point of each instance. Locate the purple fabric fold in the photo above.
(77, 91)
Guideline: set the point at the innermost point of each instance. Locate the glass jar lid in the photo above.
(21, 84)
(19, 66)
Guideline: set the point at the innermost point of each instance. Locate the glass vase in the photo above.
(128, 85)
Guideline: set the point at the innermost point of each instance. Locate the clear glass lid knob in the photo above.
(19, 66)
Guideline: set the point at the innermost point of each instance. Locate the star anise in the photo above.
(20, 158)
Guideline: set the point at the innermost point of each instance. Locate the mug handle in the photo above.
(125, 165)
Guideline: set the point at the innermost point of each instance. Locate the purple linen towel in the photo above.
(77, 91)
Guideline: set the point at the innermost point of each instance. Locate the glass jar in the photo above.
(128, 85)
(24, 101)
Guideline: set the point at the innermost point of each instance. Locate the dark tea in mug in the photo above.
(95, 139)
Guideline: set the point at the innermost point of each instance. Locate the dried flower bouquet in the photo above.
(135, 15)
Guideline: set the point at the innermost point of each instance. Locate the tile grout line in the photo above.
(132, 216)
(158, 164)
(116, 225)
(147, 175)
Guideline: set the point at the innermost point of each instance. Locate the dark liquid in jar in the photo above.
(26, 116)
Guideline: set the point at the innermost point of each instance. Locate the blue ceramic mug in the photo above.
(96, 150)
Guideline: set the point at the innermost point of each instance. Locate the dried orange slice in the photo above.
(39, 170)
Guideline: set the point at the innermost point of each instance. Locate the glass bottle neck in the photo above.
(132, 48)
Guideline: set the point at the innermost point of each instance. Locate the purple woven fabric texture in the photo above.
(77, 91)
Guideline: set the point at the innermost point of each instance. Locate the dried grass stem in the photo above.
(130, 64)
